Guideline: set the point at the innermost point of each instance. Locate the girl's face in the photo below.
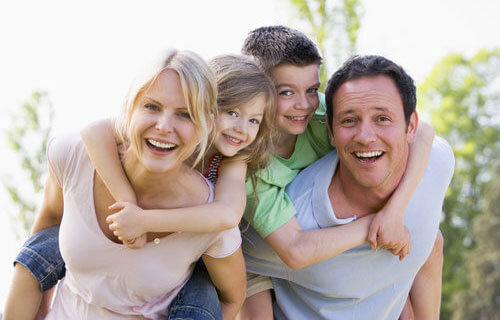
(161, 132)
(238, 127)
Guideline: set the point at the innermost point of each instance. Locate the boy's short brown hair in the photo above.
(275, 45)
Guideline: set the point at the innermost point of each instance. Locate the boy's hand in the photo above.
(126, 224)
(388, 231)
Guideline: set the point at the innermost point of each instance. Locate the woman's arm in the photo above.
(223, 213)
(101, 144)
(229, 277)
(24, 298)
(387, 228)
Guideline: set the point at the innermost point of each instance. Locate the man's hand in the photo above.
(388, 232)
(127, 225)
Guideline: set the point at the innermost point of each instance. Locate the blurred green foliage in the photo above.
(463, 96)
(334, 26)
(27, 137)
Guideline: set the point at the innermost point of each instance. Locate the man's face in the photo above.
(297, 89)
(370, 132)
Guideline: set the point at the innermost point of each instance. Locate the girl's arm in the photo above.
(24, 298)
(101, 143)
(387, 229)
(229, 278)
(223, 213)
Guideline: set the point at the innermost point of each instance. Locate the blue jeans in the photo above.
(197, 300)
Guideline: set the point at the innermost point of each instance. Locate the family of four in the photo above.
(234, 189)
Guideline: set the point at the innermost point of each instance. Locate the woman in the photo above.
(164, 123)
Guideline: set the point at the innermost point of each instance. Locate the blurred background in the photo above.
(66, 63)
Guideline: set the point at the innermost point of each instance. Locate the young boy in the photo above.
(293, 62)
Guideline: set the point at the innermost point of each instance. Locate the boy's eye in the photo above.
(232, 113)
(152, 107)
(286, 93)
(312, 90)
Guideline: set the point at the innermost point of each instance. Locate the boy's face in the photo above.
(297, 89)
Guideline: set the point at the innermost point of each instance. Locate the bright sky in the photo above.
(85, 53)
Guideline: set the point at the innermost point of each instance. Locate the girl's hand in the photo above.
(126, 224)
(136, 243)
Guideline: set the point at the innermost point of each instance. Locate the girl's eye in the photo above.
(286, 93)
(152, 107)
(232, 113)
(255, 121)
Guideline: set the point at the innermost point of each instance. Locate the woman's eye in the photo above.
(151, 106)
(184, 115)
(232, 113)
(286, 93)
(348, 121)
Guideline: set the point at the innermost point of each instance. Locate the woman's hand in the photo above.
(127, 224)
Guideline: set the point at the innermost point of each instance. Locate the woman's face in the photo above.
(161, 132)
(238, 127)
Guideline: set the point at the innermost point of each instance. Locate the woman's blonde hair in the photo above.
(198, 87)
(239, 80)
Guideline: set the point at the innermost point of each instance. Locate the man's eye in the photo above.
(286, 93)
(348, 121)
(152, 107)
(384, 119)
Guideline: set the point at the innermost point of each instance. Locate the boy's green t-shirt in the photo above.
(274, 208)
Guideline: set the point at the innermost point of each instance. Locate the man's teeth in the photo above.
(162, 145)
(368, 154)
(297, 118)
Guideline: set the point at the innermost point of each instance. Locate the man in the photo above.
(372, 122)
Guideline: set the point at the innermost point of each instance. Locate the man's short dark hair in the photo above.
(275, 45)
(370, 66)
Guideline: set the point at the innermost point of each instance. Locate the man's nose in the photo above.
(366, 133)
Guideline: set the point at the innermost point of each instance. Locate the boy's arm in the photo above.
(223, 213)
(101, 143)
(387, 228)
(298, 248)
(24, 298)
(229, 278)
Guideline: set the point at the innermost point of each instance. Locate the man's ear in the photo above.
(330, 132)
(411, 130)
